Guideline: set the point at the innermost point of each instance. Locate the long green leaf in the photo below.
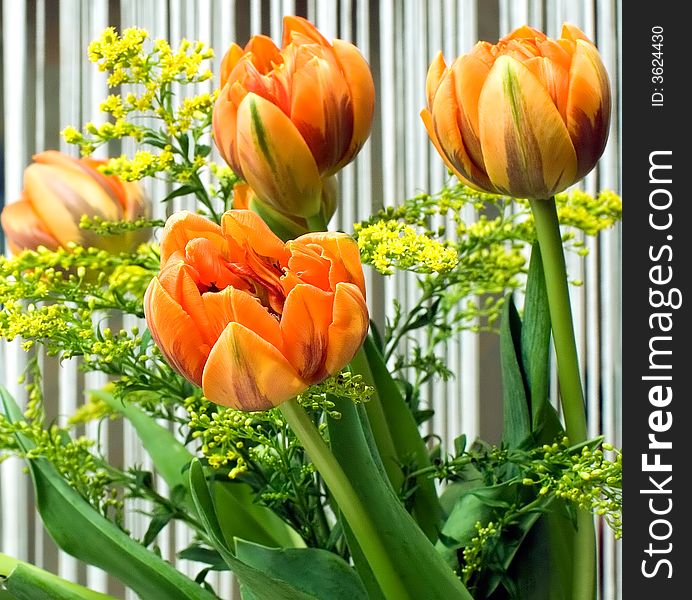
(169, 456)
(27, 582)
(422, 569)
(548, 549)
(88, 536)
(407, 439)
(240, 515)
(515, 414)
(319, 573)
(262, 586)
(535, 353)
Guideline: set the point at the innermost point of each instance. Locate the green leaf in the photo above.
(27, 582)
(202, 150)
(474, 505)
(317, 572)
(408, 442)
(183, 190)
(203, 555)
(157, 523)
(542, 567)
(262, 586)
(88, 536)
(535, 353)
(423, 571)
(516, 418)
(240, 515)
(169, 456)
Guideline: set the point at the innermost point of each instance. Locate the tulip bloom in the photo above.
(251, 319)
(287, 118)
(58, 191)
(527, 116)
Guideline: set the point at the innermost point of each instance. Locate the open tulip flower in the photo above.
(251, 319)
(527, 117)
(58, 191)
(287, 118)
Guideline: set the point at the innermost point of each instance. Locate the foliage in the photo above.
(67, 304)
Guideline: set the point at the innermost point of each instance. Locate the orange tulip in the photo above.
(58, 191)
(251, 319)
(527, 116)
(287, 118)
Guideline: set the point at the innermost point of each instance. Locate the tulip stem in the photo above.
(349, 503)
(550, 242)
(569, 378)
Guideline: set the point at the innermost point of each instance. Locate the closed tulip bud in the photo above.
(58, 191)
(252, 320)
(527, 117)
(288, 118)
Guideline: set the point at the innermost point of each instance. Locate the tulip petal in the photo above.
(24, 229)
(321, 107)
(304, 326)
(275, 159)
(306, 265)
(356, 72)
(427, 118)
(248, 373)
(446, 120)
(175, 333)
(588, 105)
(184, 226)
(248, 230)
(241, 196)
(436, 70)
(525, 32)
(527, 149)
(348, 328)
(231, 305)
(554, 78)
(573, 33)
(224, 122)
(299, 25)
(180, 280)
(342, 252)
(229, 61)
(470, 74)
(60, 197)
(265, 54)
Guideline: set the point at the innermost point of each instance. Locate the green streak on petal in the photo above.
(260, 135)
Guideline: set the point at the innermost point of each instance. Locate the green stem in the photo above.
(550, 242)
(349, 503)
(571, 393)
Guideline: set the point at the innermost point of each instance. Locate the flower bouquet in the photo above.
(288, 427)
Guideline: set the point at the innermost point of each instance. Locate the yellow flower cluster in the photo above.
(230, 438)
(192, 110)
(473, 552)
(591, 481)
(128, 61)
(582, 211)
(142, 164)
(387, 245)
